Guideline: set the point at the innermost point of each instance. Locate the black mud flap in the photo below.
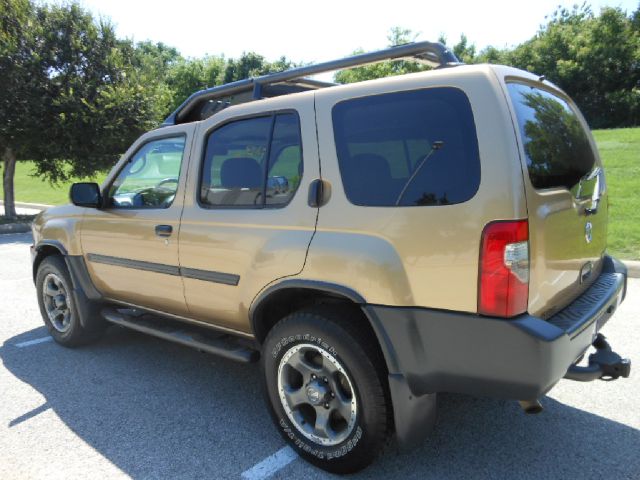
(414, 417)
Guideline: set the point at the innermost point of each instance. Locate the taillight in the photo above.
(503, 287)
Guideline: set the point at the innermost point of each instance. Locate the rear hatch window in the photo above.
(557, 148)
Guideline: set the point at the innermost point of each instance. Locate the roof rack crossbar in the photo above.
(434, 54)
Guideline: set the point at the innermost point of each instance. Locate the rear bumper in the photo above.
(521, 359)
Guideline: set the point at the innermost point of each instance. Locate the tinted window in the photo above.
(150, 178)
(233, 172)
(236, 171)
(408, 148)
(285, 160)
(557, 148)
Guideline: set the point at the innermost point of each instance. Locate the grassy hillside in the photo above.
(619, 148)
(35, 190)
(620, 152)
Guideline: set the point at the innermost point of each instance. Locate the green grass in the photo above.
(32, 189)
(619, 148)
(620, 152)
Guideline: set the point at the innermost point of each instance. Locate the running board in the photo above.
(223, 345)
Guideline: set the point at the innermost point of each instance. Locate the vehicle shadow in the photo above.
(489, 438)
(155, 409)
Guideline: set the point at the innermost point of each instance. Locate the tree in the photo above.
(465, 51)
(595, 59)
(75, 96)
(397, 36)
(253, 65)
(188, 76)
(17, 105)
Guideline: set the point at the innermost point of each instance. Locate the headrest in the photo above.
(241, 172)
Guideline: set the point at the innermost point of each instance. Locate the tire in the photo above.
(60, 308)
(326, 338)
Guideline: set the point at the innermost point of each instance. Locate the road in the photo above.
(135, 406)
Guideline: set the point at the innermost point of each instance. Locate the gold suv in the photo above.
(371, 244)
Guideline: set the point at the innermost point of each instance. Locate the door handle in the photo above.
(164, 230)
(319, 193)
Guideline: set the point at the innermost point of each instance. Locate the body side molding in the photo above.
(204, 275)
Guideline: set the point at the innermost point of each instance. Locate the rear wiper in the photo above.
(437, 145)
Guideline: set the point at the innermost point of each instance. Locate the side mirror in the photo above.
(85, 194)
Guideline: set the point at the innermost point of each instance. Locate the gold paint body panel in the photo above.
(406, 256)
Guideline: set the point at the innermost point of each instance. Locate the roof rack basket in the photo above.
(206, 102)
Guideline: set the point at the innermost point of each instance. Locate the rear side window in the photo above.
(557, 148)
(252, 162)
(408, 148)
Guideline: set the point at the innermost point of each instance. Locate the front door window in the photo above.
(150, 178)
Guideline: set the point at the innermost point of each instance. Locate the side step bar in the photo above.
(194, 337)
(604, 363)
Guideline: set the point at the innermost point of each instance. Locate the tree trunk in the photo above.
(8, 173)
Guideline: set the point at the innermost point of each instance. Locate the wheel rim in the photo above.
(56, 302)
(317, 394)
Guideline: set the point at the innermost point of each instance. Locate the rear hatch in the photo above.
(566, 196)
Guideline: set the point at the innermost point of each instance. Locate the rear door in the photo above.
(246, 221)
(566, 195)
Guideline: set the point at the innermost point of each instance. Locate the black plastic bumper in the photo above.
(522, 358)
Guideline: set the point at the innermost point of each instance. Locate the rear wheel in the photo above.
(60, 312)
(325, 381)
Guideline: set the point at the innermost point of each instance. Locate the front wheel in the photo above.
(325, 382)
(59, 309)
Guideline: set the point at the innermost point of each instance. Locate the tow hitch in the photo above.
(604, 364)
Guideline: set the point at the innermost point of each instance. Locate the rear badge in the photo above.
(588, 228)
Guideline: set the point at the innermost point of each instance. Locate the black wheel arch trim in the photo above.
(82, 283)
(295, 284)
(52, 243)
(333, 289)
(81, 278)
(37, 256)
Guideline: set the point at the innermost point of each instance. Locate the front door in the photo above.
(131, 244)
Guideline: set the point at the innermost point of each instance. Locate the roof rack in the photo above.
(207, 102)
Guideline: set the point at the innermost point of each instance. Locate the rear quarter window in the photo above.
(414, 148)
(556, 146)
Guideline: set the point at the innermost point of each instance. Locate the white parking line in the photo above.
(270, 465)
(34, 342)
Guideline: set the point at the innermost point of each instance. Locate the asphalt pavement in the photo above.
(136, 406)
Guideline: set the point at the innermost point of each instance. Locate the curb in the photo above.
(15, 228)
(35, 206)
(633, 268)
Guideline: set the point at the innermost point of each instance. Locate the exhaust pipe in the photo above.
(531, 407)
